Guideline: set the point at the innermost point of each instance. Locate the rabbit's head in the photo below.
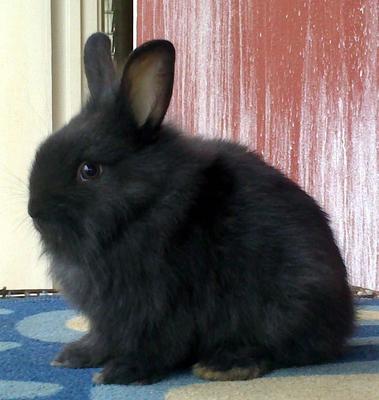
(99, 172)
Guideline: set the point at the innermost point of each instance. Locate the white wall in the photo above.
(41, 87)
(25, 119)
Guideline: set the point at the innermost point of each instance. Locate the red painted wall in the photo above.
(296, 80)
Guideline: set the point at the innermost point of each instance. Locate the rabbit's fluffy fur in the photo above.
(181, 251)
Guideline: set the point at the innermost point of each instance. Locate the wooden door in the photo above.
(296, 80)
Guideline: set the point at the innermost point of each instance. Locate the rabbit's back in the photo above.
(265, 267)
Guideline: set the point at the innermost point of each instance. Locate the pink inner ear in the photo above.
(149, 85)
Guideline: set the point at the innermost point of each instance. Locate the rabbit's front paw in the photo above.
(77, 355)
(122, 373)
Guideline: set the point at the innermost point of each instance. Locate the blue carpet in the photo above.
(32, 331)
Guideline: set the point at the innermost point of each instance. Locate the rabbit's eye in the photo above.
(88, 171)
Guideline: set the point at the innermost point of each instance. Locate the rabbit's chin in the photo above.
(56, 242)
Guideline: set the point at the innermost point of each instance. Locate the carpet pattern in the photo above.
(32, 331)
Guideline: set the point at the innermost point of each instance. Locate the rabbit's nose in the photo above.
(34, 207)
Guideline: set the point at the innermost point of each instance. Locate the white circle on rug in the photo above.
(155, 391)
(11, 390)
(295, 388)
(8, 345)
(5, 311)
(49, 327)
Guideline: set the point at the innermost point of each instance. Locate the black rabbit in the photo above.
(181, 251)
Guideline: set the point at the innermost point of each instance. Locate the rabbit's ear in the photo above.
(98, 64)
(147, 82)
